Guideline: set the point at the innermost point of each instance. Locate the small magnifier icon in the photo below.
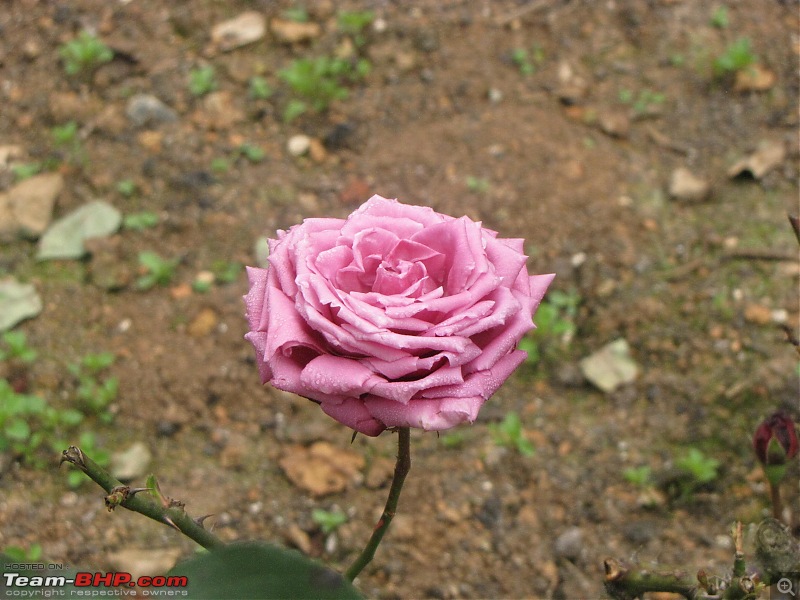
(784, 586)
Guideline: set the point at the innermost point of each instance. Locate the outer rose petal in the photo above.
(396, 316)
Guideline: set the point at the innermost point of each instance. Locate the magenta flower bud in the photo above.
(777, 428)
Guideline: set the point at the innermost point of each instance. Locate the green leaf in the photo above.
(18, 430)
(261, 571)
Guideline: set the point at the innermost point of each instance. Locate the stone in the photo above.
(611, 366)
(321, 468)
(569, 544)
(131, 463)
(246, 28)
(146, 109)
(768, 155)
(755, 78)
(687, 187)
(144, 561)
(18, 301)
(65, 238)
(221, 111)
(27, 208)
(292, 32)
(298, 145)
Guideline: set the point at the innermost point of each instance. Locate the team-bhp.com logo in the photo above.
(29, 586)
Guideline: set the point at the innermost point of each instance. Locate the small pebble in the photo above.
(298, 145)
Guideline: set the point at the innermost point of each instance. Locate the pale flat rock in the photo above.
(322, 468)
(10, 153)
(18, 301)
(65, 238)
(144, 561)
(292, 32)
(27, 208)
(132, 463)
(146, 109)
(687, 187)
(243, 29)
(611, 366)
(767, 156)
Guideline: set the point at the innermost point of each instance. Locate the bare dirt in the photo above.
(575, 157)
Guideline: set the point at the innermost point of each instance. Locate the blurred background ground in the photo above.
(609, 135)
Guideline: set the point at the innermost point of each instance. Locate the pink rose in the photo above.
(396, 317)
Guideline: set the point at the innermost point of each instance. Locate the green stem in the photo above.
(775, 496)
(401, 468)
(167, 512)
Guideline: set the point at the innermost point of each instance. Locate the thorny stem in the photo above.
(168, 512)
(401, 468)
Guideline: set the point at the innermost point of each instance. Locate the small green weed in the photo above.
(639, 476)
(126, 187)
(15, 347)
(158, 271)
(509, 433)
(453, 439)
(140, 220)
(555, 326)
(21, 555)
(225, 272)
(702, 468)
(478, 185)
(259, 88)
(94, 394)
(328, 520)
(719, 18)
(26, 170)
(645, 102)
(737, 56)
(527, 62)
(320, 81)
(252, 153)
(353, 23)
(202, 81)
(84, 53)
(298, 15)
(220, 165)
(66, 134)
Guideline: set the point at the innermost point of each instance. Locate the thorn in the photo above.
(353, 439)
(170, 522)
(134, 491)
(199, 520)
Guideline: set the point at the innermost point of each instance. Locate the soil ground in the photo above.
(575, 156)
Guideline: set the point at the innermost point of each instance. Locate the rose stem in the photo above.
(401, 468)
(118, 494)
(775, 496)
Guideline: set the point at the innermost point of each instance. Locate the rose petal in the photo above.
(352, 413)
(338, 376)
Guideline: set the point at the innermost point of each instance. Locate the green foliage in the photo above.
(478, 185)
(719, 18)
(126, 187)
(158, 271)
(225, 272)
(701, 468)
(252, 153)
(737, 56)
(66, 134)
(644, 102)
(453, 439)
(93, 393)
(140, 220)
(296, 14)
(15, 347)
(555, 326)
(220, 165)
(21, 555)
(258, 570)
(527, 62)
(25, 170)
(320, 81)
(353, 23)
(328, 521)
(84, 53)
(509, 433)
(259, 88)
(202, 81)
(639, 476)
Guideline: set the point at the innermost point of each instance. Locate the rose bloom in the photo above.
(397, 316)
